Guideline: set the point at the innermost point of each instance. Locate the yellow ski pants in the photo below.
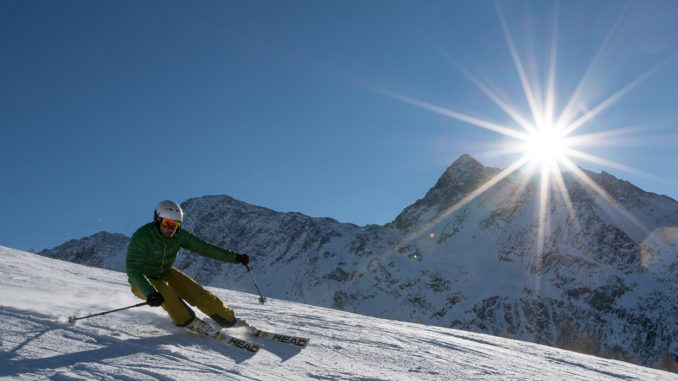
(178, 288)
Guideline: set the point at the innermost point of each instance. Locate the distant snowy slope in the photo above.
(37, 294)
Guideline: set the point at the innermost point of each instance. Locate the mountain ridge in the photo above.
(600, 272)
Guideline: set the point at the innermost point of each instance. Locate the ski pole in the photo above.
(262, 299)
(72, 319)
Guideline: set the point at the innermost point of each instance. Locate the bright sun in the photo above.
(546, 145)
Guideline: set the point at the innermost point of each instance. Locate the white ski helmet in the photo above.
(169, 210)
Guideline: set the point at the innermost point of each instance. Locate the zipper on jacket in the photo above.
(164, 256)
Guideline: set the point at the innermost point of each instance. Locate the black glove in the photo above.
(243, 259)
(155, 299)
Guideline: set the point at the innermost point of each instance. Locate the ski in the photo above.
(238, 343)
(251, 331)
(201, 327)
(297, 341)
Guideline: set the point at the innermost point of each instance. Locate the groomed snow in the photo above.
(38, 294)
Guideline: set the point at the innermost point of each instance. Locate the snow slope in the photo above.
(37, 294)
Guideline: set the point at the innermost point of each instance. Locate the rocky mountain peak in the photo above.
(465, 164)
(463, 172)
(459, 179)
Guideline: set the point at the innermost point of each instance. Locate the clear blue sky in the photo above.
(107, 108)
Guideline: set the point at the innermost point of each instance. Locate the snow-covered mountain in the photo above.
(601, 276)
(37, 294)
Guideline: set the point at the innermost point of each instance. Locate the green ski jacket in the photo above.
(150, 255)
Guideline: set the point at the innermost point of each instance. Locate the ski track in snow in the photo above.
(37, 295)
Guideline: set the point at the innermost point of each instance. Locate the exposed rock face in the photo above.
(104, 250)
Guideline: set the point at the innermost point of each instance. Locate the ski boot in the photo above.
(199, 326)
(246, 327)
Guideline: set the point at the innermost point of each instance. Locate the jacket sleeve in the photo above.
(197, 245)
(134, 265)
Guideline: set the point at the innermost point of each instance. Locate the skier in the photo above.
(150, 255)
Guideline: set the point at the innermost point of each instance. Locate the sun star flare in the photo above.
(543, 141)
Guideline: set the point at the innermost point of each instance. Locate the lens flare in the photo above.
(657, 251)
(545, 141)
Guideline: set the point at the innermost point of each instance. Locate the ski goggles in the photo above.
(170, 224)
